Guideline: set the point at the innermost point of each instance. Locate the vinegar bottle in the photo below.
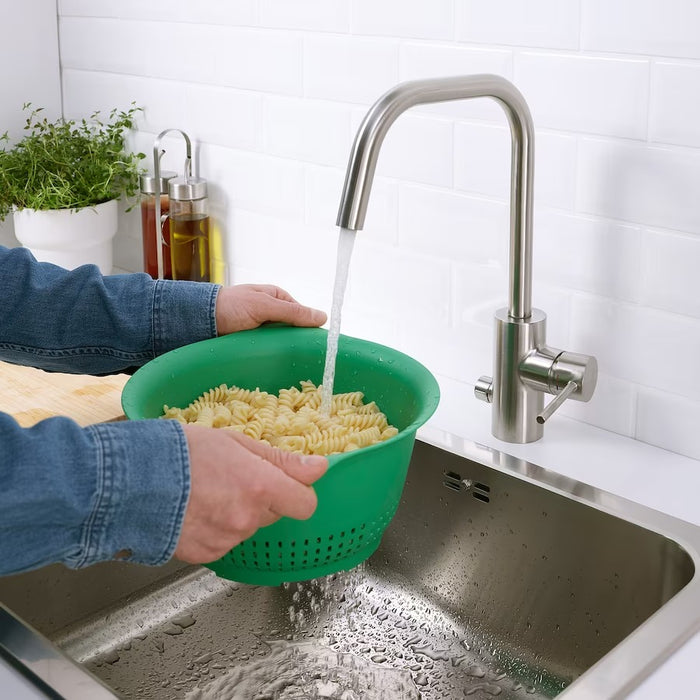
(148, 224)
(189, 229)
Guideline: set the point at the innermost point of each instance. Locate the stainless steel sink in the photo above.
(496, 578)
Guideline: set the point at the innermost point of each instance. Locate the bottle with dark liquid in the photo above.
(189, 229)
(149, 231)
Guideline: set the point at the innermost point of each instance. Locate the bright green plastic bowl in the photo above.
(359, 494)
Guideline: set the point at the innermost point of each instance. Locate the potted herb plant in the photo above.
(61, 183)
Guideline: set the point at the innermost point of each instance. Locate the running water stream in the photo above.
(346, 242)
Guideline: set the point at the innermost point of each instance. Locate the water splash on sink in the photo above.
(334, 635)
(301, 670)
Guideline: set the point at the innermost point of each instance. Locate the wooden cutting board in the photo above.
(30, 395)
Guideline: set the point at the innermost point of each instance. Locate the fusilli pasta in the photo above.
(291, 420)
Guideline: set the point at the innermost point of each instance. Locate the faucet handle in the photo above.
(568, 375)
(554, 404)
(483, 389)
(577, 368)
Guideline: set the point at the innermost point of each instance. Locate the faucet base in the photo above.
(516, 405)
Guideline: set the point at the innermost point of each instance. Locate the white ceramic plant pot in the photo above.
(69, 237)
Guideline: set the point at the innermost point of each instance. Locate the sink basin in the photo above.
(495, 578)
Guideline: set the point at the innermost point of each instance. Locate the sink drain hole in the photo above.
(455, 482)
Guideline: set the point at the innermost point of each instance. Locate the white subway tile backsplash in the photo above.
(323, 188)
(545, 23)
(263, 61)
(283, 253)
(433, 20)
(555, 169)
(637, 344)
(417, 149)
(349, 69)
(453, 226)
(241, 12)
(653, 27)
(592, 255)
(369, 323)
(556, 304)
(272, 94)
(266, 61)
(450, 352)
(639, 183)
(208, 113)
(433, 60)
(313, 15)
(224, 116)
(675, 103)
(670, 270)
(312, 131)
(105, 45)
(479, 290)
(606, 96)
(669, 421)
(399, 282)
(483, 161)
(256, 182)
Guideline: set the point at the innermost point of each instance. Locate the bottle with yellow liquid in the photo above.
(189, 229)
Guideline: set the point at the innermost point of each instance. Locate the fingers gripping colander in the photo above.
(359, 494)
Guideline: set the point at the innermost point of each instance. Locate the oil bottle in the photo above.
(149, 229)
(189, 229)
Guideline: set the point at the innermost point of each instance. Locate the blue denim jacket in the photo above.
(81, 495)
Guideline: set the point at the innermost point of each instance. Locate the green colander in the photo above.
(359, 494)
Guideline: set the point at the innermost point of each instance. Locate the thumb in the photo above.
(303, 468)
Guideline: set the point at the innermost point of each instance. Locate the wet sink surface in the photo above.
(496, 578)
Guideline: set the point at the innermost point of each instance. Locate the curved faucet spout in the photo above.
(365, 152)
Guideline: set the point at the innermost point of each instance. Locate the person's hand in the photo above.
(247, 306)
(237, 486)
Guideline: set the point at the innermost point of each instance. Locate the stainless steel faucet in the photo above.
(524, 366)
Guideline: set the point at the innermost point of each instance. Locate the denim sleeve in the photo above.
(83, 495)
(80, 321)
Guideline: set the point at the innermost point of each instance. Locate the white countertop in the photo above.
(648, 475)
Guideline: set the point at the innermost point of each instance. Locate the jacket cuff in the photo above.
(183, 312)
(142, 491)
